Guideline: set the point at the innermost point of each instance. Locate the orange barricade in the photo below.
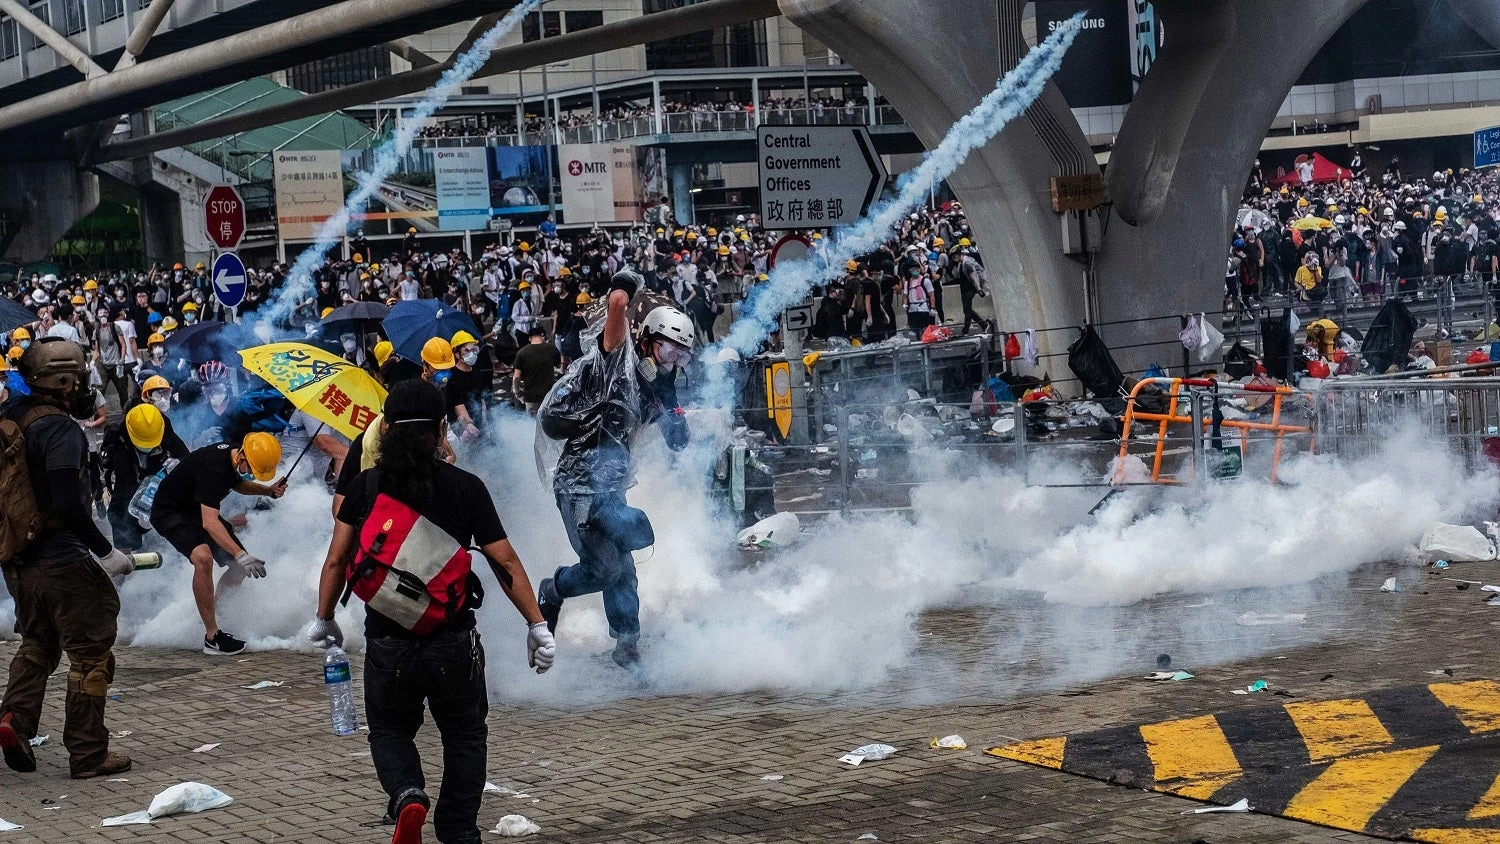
(1172, 416)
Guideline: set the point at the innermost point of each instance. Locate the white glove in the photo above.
(323, 633)
(117, 563)
(541, 648)
(252, 566)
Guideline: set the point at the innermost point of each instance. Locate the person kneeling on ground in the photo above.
(419, 512)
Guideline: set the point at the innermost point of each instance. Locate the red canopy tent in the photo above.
(1323, 171)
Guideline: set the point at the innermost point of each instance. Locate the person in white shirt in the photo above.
(408, 289)
(523, 314)
(66, 326)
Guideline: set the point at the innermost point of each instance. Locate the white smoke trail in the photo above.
(790, 282)
(388, 156)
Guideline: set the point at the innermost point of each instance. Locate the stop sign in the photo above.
(224, 216)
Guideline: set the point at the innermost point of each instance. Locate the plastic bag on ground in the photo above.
(777, 531)
(1457, 544)
(183, 798)
(515, 826)
(869, 752)
(954, 742)
(7, 826)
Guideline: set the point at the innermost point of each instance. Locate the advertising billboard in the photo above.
(462, 180)
(309, 189)
(1097, 70)
(518, 180)
(599, 183)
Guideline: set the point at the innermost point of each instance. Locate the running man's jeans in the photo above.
(446, 670)
(604, 565)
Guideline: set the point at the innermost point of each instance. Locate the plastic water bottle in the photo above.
(340, 692)
(140, 503)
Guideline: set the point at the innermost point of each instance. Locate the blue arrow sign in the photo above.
(229, 279)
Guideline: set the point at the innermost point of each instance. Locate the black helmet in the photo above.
(53, 364)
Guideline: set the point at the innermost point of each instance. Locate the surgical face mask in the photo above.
(25, 344)
(158, 354)
(440, 378)
(248, 477)
(163, 403)
(190, 317)
(350, 344)
(471, 358)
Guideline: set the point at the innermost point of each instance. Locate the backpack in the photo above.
(20, 517)
(409, 569)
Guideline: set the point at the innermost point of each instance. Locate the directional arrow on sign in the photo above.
(229, 279)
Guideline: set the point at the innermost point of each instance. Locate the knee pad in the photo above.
(38, 655)
(92, 677)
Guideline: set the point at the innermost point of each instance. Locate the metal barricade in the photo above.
(1353, 417)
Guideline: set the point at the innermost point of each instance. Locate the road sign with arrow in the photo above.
(229, 279)
(815, 177)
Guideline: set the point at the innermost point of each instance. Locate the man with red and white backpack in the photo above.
(401, 544)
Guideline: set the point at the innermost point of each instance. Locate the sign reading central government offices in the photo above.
(816, 176)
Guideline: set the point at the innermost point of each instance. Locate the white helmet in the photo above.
(1340, 220)
(669, 323)
(1400, 226)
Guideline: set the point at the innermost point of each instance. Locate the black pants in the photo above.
(446, 671)
(970, 316)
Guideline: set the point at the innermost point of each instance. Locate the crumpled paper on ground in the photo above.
(869, 752)
(515, 826)
(183, 798)
(954, 742)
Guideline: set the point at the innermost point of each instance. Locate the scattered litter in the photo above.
(1283, 693)
(121, 734)
(1257, 686)
(266, 684)
(38, 741)
(1325, 678)
(1459, 543)
(1163, 661)
(772, 777)
(505, 790)
(118, 779)
(7, 826)
(1442, 672)
(1390, 585)
(1243, 805)
(1169, 675)
(180, 799)
(776, 531)
(206, 747)
(515, 826)
(869, 752)
(949, 743)
(1462, 585)
(1488, 588)
(869, 836)
(1261, 619)
(1440, 564)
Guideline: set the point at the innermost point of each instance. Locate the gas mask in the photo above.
(81, 401)
(440, 378)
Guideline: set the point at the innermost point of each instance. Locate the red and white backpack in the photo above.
(409, 569)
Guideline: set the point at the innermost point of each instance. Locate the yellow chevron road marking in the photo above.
(1335, 728)
(1044, 753)
(1191, 756)
(1352, 790)
(1476, 703)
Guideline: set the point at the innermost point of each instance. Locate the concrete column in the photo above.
(47, 198)
(682, 190)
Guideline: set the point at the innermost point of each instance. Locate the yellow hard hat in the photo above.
(677, 233)
(1479, 199)
(383, 351)
(374, 268)
(851, 265)
(937, 242)
(1284, 190)
(91, 285)
(524, 246)
(564, 272)
(154, 339)
(326, 312)
(263, 452)
(525, 285)
(1302, 202)
(20, 334)
(4, 365)
(155, 382)
(168, 324)
(14, 353)
(964, 241)
(723, 251)
(462, 338)
(1440, 214)
(713, 232)
(1333, 209)
(190, 306)
(358, 258)
(1365, 211)
(584, 299)
(438, 353)
(364, 276)
(817, 236)
(762, 277)
(744, 238)
(411, 230)
(1325, 224)
(146, 427)
(79, 300)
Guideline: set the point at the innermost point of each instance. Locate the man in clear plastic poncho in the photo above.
(620, 386)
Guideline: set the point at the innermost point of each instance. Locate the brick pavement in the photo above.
(688, 768)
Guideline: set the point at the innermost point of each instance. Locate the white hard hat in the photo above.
(670, 324)
(1400, 226)
(1339, 220)
(1389, 211)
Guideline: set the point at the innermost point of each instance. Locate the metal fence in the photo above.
(1353, 417)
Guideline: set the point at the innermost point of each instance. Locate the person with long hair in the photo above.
(408, 662)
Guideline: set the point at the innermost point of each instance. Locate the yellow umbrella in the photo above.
(320, 384)
(1310, 223)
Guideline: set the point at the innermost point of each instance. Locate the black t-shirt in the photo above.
(203, 478)
(54, 442)
(467, 389)
(460, 506)
(537, 363)
(396, 371)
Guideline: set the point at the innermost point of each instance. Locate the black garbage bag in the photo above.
(1095, 367)
(1276, 340)
(1389, 337)
(1238, 361)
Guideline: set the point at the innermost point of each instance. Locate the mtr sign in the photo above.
(579, 168)
(224, 216)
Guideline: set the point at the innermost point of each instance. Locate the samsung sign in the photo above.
(1108, 58)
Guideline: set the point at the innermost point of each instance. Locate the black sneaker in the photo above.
(222, 644)
(550, 603)
(627, 656)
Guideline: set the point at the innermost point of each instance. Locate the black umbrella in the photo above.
(358, 311)
(13, 315)
(208, 341)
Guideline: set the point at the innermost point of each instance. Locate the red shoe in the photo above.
(15, 748)
(409, 819)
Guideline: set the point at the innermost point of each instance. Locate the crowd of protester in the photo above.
(1351, 236)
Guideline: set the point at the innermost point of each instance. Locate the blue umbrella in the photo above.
(13, 315)
(411, 324)
(206, 341)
